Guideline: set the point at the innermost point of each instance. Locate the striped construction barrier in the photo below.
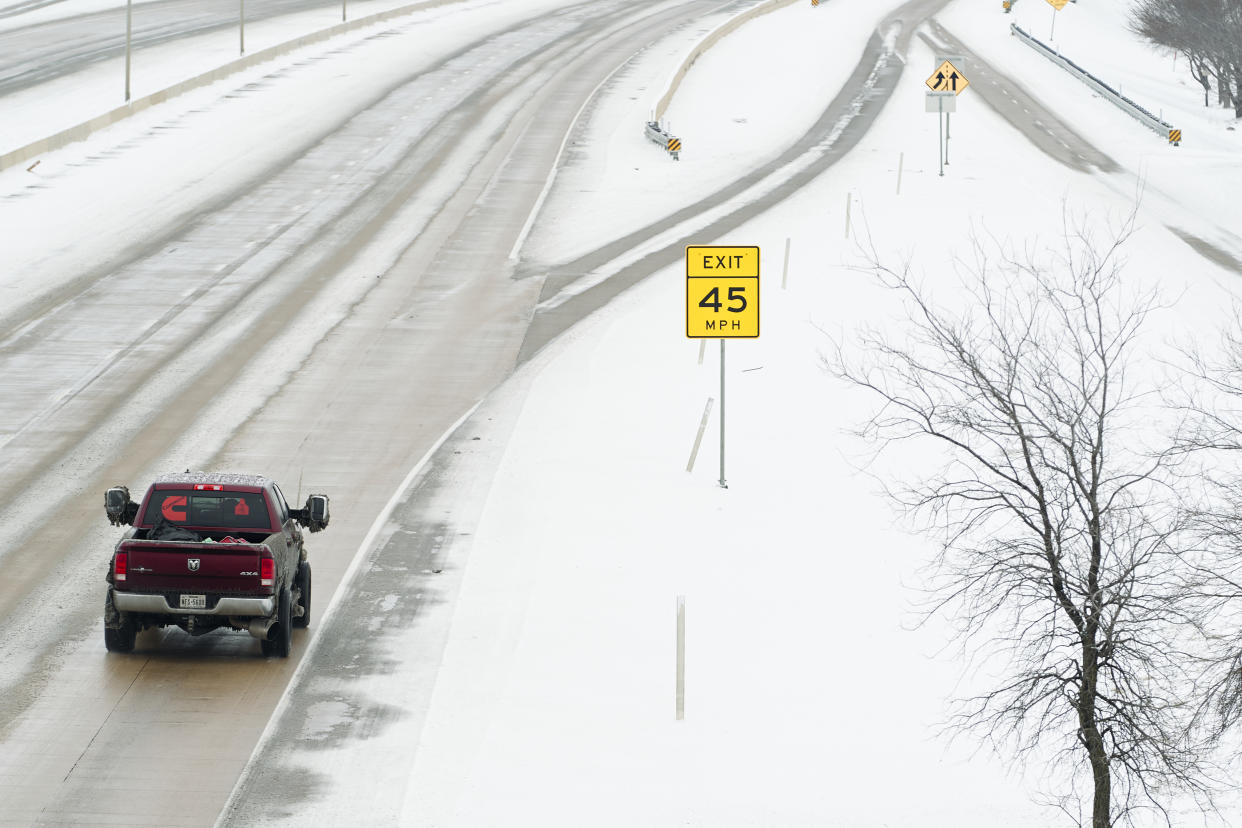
(657, 134)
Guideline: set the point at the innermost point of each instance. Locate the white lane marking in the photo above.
(364, 549)
(556, 163)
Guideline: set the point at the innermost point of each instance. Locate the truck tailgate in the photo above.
(164, 566)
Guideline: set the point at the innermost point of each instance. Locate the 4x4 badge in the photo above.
(193, 563)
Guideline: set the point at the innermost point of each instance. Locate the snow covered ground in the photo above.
(809, 699)
(1188, 186)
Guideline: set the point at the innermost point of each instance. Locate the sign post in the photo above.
(946, 83)
(948, 113)
(1057, 5)
(941, 103)
(722, 302)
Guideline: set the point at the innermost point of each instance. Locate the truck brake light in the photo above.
(267, 572)
(119, 566)
(208, 487)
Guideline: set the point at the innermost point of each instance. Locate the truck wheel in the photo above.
(303, 582)
(280, 638)
(121, 639)
(119, 629)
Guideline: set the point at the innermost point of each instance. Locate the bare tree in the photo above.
(1059, 527)
(1212, 435)
(1207, 32)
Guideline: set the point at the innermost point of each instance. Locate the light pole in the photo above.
(129, 26)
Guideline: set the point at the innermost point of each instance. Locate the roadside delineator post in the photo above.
(707, 413)
(681, 657)
(785, 270)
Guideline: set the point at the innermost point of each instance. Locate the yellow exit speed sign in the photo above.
(722, 292)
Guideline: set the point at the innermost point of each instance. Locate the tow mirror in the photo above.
(121, 510)
(315, 514)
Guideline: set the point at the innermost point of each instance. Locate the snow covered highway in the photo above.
(40, 51)
(433, 268)
(320, 298)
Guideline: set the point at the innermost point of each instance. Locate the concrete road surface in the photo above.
(406, 207)
(34, 53)
(115, 376)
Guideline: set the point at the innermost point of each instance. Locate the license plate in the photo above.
(194, 602)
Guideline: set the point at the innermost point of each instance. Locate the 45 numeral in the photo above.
(712, 300)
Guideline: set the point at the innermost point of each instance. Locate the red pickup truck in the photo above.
(208, 551)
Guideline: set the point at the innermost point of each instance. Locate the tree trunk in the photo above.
(1199, 71)
(1089, 731)
(1222, 74)
(1100, 773)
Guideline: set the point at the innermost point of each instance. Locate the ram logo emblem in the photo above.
(193, 563)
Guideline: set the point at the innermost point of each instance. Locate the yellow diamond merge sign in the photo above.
(722, 292)
(946, 78)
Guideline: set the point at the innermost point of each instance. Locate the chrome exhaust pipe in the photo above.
(260, 627)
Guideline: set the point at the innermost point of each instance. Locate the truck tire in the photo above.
(119, 629)
(121, 639)
(280, 639)
(303, 583)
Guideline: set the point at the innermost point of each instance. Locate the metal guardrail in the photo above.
(1143, 116)
(659, 135)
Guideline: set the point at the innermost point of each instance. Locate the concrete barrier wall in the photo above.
(81, 131)
(710, 41)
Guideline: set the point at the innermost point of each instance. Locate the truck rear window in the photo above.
(224, 510)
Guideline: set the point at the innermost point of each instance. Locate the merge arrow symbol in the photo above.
(939, 80)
